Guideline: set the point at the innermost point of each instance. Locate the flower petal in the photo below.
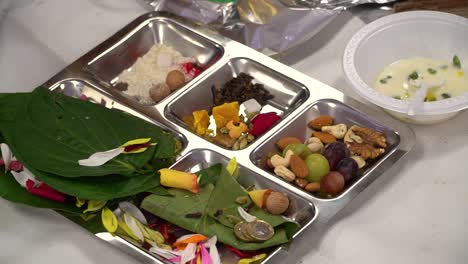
(100, 158)
(205, 256)
(232, 167)
(79, 202)
(214, 254)
(23, 176)
(183, 241)
(254, 259)
(188, 253)
(132, 209)
(133, 226)
(6, 154)
(109, 220)
(167, 254)
(246, 216)
(137, 141)
(95, 205)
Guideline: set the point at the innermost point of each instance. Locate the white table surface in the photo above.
(415, 213)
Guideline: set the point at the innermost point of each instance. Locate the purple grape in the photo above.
(348, 167)
(335, 152)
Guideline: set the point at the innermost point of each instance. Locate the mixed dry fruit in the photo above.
(158, 73)
(329, 159)
(236, 118)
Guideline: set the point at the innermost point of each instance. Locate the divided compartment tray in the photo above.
(297, 98)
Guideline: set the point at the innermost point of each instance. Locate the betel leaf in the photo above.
(54, 131)
(216, 204)
(209, 175)
(93, 225)
(10, 190)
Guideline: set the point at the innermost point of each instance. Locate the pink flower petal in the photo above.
(100, 158)
(205, 256)
(188, 253)
(214, 254)
(15, 165)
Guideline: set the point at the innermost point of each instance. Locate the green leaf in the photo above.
(446, 95)
(159, 190)
(431, 71)
(209, 175)
(209, 201)
(456, 62)
(413, 76)
(93, 225)
(53, 132)
(10, 190)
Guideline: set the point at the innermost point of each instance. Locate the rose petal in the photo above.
(6, 154)
(23, 176)
(246, 216)
(137, 141)
(214, 254)
(132, 209)
(167, 254)
(45, 191)
(100, 158)
(232, 167)
(205, 256)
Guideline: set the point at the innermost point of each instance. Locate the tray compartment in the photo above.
(342, 114)
(288, 93)
(81, 89)
(120, 56)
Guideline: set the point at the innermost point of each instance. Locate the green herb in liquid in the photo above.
(446, 95)
(431, 71)
(456, 61)
(414, 75)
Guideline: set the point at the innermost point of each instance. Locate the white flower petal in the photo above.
(214, 254)
(100, 158)
(132, 224)
(130, 208)
(6, 154)
(23, 176)
(246, 216)
(167, 254)
(188, 253)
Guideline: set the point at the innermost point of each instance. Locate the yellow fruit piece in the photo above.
(201, 121)
(461, 73)
(259, 196)
(179, 179)
(232, 167)
(430, 96)
(226, 112)
(137, 141)
(109, 220)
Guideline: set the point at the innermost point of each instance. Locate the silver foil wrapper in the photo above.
(272, 25)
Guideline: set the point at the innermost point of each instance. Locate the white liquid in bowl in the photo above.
(402, 79)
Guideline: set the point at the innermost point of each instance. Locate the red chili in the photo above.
(241, 253)
(136, 147)
(45, 191)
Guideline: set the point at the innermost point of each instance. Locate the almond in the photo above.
(313, 187)
(320, 121)
(324, 137)
(298, 166)
(282, 143)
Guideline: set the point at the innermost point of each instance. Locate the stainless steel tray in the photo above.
(298, 98)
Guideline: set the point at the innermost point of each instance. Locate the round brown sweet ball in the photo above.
(175, 79)
(159, 92)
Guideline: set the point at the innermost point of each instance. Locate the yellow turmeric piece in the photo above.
(226, 112)
(201, 121)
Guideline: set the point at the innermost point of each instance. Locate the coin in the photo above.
(241, 233)
(260, 230)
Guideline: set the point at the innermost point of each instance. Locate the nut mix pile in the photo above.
(329, 159)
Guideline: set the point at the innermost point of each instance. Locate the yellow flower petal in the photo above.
(136, 142)
(95, 205)
(127, 231)
(109, 220)
(79, 202)
(232, 167)
(254, 259)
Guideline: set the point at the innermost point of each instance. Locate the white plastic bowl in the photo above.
(428, 34)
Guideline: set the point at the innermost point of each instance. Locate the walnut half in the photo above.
(366, 142)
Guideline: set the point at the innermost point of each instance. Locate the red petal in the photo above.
(136, 147)
(241, 253)
(263, 122)
(15, 165)
(45, 191)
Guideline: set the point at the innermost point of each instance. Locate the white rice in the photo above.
(150, 70)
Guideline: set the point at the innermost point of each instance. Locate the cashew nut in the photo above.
(337, 131)
(351, 137)
(359, 160)
(314, 144)
(277, 160)
(285, 173)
